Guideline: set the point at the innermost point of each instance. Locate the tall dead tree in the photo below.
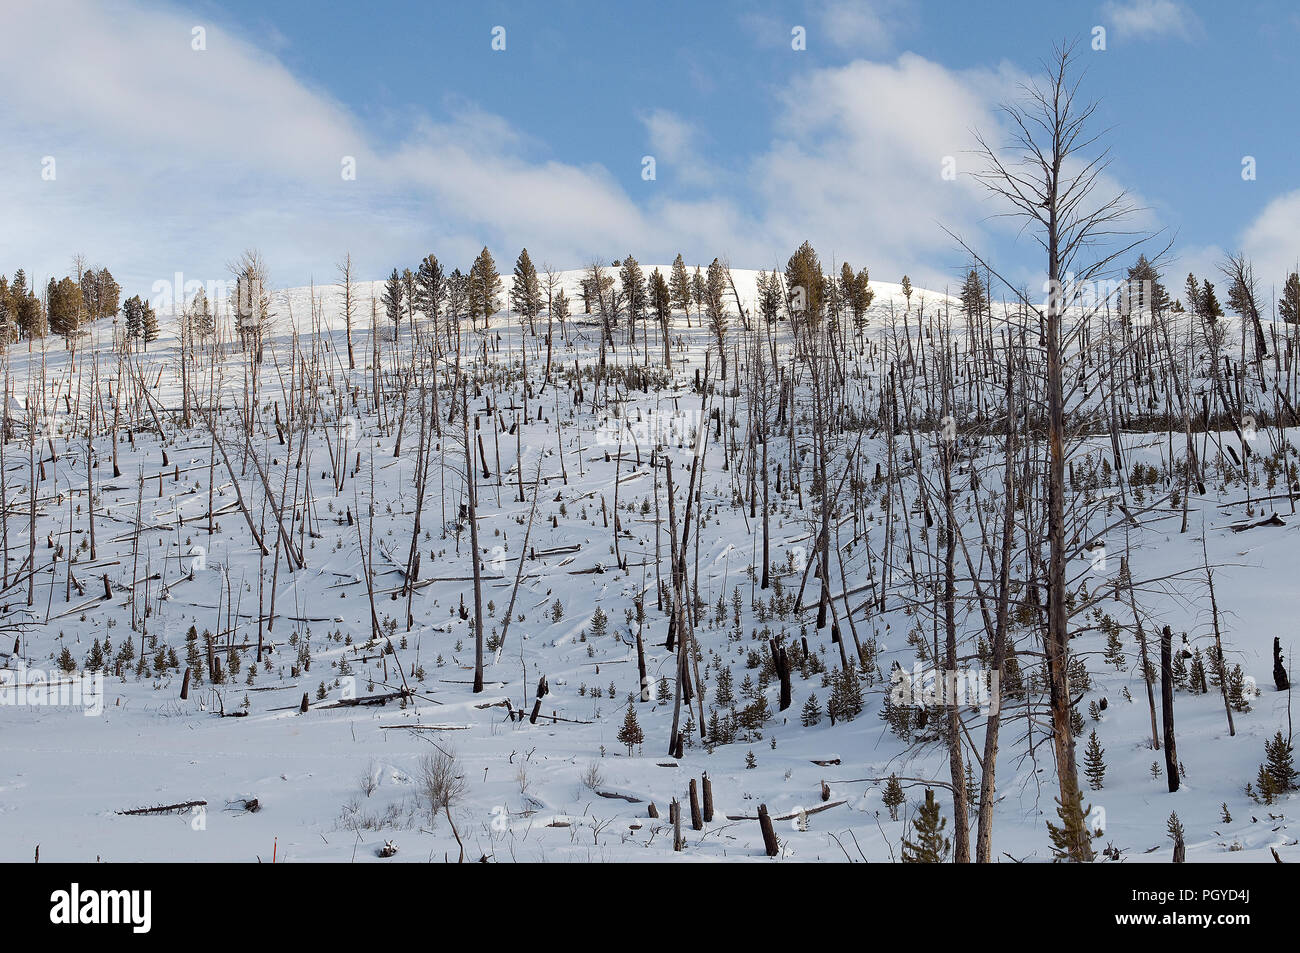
(1044, 179)
(471, 494)
(347, 285)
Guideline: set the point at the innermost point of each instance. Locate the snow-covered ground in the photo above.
(338, 782)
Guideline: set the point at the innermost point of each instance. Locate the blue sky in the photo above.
(174, 159)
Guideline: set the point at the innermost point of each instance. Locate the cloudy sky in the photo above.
(166, 137)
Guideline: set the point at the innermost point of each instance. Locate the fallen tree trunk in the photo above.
(163, 809)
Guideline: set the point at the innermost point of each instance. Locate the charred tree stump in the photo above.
(185, 684)
(697, 817)
(302, 709)
(770, 844)
(1167, 707)
(1280, 678)
(542, 691)
(708, 798)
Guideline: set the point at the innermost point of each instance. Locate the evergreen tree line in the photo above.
(67, 304)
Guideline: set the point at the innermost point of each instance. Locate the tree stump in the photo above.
(676, 810)
(770, 844)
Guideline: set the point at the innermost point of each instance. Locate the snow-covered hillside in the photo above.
(321, 477)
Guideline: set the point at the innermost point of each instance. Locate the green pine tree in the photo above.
(1237, 694)
(1094, 765)
(148, 324)
(1174, 828)
(133, 315)
(1289, 305)
(723, 694)
(630, 734)
(1115, 650)
(930, 846)
(430, 287)
(893, 796)
(1196, 676)
(526, 289)
(1073, 829)
(1076, 721)
(812, 711)
(680, 285)
(1277, 775)
(484, 287)
(392, 298)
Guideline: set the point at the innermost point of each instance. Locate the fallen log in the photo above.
(1273, 520)
(792, 815)
(177, 808)
(383, 699)
(429, 727)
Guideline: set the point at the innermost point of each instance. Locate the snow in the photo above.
(64, 775)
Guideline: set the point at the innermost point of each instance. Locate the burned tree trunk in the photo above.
(640, 660)
(1167, 706)
(770, 844)
(781, 661)
(471, 491)
(697, 817)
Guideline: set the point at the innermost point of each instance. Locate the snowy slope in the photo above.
(336, 783)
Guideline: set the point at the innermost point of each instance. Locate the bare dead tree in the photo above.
(347, 291)
(1046, 181)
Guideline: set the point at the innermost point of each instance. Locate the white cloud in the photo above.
(857, 167)
(1138, 18)
(1272, 240)
(171, 159)
(863, 26)
(675, 144)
